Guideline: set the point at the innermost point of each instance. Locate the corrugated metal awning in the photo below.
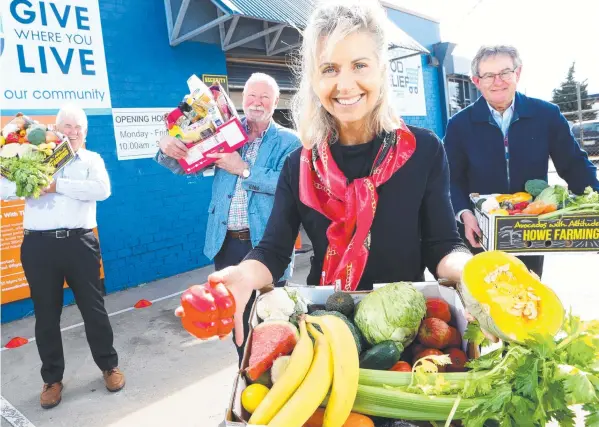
(270, 26)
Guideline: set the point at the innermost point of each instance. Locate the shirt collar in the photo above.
(495, 112)
(263, 134)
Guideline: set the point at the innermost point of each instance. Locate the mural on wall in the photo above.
(51, 53)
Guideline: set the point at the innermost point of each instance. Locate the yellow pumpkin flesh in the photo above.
(508, 300)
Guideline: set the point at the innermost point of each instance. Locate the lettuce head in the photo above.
(393, 312)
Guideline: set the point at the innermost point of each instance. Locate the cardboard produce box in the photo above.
(236, 416)
(529, 235)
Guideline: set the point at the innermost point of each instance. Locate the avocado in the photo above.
(341, 302)
(314, 307)
(382, 356)
(350, 325)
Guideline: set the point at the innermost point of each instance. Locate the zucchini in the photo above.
(382, 356)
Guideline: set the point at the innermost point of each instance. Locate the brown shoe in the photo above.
(114, 379)
(51, 395)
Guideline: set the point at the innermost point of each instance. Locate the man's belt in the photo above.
(62, 233)
(239, 234)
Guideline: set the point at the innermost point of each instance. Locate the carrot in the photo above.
(354, 420)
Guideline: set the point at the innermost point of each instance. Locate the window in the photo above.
(462, 93)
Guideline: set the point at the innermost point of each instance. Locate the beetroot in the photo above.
(436, 307)
(434, 333)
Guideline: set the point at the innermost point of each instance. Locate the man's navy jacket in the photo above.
(477, 156)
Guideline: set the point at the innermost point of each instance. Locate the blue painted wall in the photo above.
(154, 223)
(426, 33)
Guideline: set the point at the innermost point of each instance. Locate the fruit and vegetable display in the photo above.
(540, 199)
(25, 147)
(398, 356)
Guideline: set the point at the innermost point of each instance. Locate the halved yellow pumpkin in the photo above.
(507, 299)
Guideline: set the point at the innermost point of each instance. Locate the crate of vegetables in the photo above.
(543, 219)
(391, 328)
(364, 366)
(31, 153)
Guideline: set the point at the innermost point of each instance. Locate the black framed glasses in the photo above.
(505, 75)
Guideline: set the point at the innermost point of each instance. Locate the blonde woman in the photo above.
(371, 192)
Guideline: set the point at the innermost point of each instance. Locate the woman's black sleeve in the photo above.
(440, 236)
(276, 246)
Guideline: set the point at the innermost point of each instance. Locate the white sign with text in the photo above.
(53, 54)
(138, 131)
(407, 85)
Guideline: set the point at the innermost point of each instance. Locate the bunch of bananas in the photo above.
(332, 363)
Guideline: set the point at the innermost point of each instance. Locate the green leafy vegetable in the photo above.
(554, 195)
(474, 334)
(29, 173)
(534, 187)
(588, 202)
(391, 313)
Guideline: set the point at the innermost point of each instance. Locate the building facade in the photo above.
(134, 59)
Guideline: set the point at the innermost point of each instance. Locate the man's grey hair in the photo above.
(490, 51)
(262, 77)
(74, 112)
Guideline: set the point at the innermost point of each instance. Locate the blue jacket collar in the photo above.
(481, 112)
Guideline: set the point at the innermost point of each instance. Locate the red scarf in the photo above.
(350, 207)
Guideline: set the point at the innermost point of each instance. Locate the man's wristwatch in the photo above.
(246, 173)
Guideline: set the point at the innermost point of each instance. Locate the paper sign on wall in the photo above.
(138, 131)
(407, 85)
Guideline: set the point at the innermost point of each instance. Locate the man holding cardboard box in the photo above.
(244, 180)
(59, 244)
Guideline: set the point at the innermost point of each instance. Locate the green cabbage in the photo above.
(393, 312)
(554, 195)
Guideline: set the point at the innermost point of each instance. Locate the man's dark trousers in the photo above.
(47, 262)
(231, 253)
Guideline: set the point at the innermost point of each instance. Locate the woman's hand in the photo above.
(241, 287)
(241, 280)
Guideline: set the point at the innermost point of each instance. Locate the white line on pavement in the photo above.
(109, 315)
(13, 416)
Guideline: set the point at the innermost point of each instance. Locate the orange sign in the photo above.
(12, 279)
(13, 285)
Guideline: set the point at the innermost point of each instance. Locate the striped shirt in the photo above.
(238, 212)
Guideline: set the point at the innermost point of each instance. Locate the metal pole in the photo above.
(580, 113)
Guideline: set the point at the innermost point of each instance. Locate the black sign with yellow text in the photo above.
(576, 233)
(209, 79)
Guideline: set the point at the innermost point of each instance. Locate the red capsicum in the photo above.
(207, 310)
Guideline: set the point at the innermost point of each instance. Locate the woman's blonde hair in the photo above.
(331, 22)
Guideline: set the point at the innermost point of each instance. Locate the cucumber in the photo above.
(382, 356)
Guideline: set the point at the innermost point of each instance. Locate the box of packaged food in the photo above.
(206, 122)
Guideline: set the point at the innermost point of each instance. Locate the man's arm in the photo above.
(95, 188)
(264, 180)
(458, 167)
(169, 163)
(9, 189)
(571, 162)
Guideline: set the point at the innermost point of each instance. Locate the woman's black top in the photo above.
(414, 225)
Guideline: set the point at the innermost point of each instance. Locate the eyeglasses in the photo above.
(505, 75)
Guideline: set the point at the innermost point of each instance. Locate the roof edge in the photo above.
(409, 12)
